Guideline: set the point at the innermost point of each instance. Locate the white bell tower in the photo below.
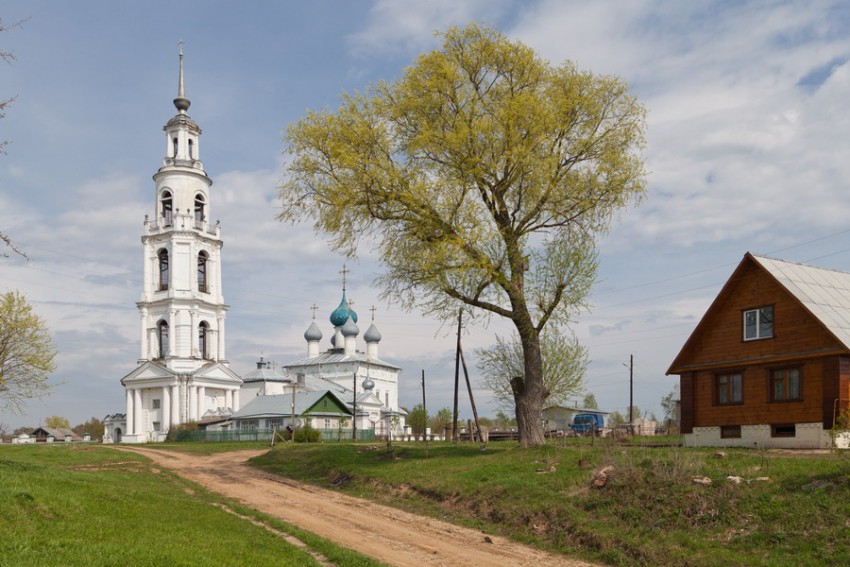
(183, 375)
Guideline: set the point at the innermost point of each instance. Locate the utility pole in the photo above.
(455, 433)
(631, 366)
(354, 404)
(424, 407)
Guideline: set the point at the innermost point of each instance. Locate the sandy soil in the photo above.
(387, 534)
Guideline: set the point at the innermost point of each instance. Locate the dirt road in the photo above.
(387, 534)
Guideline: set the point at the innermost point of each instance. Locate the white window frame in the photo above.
(757, 317)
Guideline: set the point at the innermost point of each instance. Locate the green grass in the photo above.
(91, 505)
(650, 512)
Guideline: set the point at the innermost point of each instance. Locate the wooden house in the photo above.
(769, 363)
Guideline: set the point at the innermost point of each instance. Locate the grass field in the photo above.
(90, 505)
(787, 509)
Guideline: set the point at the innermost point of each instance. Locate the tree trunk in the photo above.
(528, 390)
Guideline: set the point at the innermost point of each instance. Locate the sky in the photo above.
(746, 151)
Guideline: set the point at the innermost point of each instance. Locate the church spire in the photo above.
(181, 102)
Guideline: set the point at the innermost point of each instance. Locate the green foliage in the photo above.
(93, 427)
(564, 367)
(27, 353)
(181, 431)
(442, 419)
(417, 419)
(649, 512)
(307, 434)
(57, 422)
(504, 420)
(481, 178)
(589, 402)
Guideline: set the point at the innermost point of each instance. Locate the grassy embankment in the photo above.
(650, 511)
(91, 506)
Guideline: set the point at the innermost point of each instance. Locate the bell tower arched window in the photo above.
(200, 214)
(191, 150)
(203, 259)
(174, 141)
(162, 337)
(203, 336)
(162, 255)
(166, 208)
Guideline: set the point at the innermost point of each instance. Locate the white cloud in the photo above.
(409, 27)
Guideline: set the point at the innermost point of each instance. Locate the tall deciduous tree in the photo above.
(564, 366)
(27, 353)
(417, 419)
(481, 177)
(57, 422)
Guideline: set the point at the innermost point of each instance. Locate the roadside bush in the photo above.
(307, 434)
(181, 432)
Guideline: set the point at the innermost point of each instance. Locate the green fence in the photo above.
(262, 435)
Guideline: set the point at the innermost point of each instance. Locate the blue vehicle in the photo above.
(587, 424)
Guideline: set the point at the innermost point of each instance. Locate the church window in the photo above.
(174, 141)
(203, 258)
(387, 399)
(155, 403)
(203, 335)
(166, 210)
(163, 269)
(162, 335)
(191, 153)
(199, 208)
(157, 426)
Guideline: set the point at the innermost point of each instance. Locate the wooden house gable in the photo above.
(718, 340)
(328, 404)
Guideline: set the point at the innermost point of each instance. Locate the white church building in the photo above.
(182, 371)
(366, 385)
(182, 374)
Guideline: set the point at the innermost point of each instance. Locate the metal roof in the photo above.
(335, 356)
(824, 292)
(272, 406)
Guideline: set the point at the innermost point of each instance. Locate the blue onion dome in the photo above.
(373, 335)
(340, 314)
(313, 333)
(368, 384)
(350, 329)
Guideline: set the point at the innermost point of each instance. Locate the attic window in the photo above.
(758, 323)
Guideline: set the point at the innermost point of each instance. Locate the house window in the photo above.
(758, 323)
(248, 424)
(155, 403)
(162, 336)
(783, 430)
(166, 209)
(203, 258)
(327, 423)
(729, 388)
(785, 385)
(730, 431)
(274, 423)
(203, 335)
(163, 269)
